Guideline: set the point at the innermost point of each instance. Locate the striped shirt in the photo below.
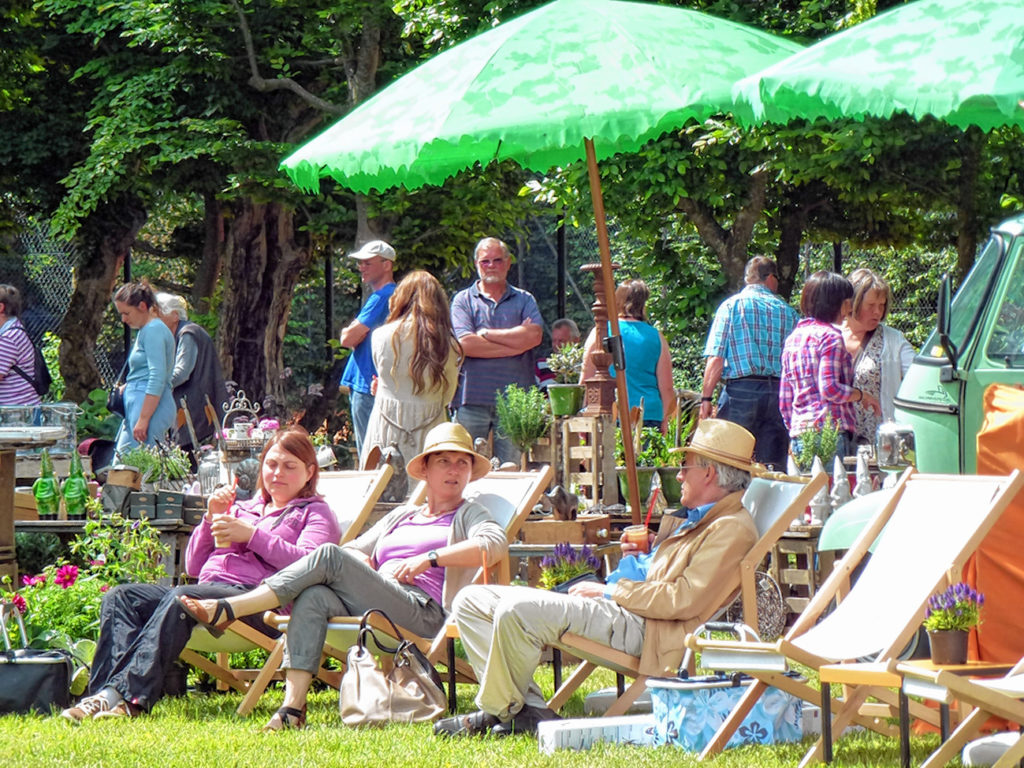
(482, 377)
(817, 379)
(749, 331)
(16, 349)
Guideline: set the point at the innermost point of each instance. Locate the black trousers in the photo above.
(142, 632)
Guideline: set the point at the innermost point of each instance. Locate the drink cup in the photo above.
(636, 534)
(221, 542)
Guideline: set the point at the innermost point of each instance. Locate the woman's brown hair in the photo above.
(631, 296)
(134, 294)
(296, 441)
(421, 303)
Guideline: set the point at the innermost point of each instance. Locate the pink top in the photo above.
(415, 536)
(280, 538)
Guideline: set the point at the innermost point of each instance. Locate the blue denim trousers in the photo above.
(362, 405)
(754, 405)
(479, 421)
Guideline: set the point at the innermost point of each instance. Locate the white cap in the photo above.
(374, 248)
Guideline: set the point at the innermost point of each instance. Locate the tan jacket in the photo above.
(692, 574)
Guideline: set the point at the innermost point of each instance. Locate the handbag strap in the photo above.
(10, 609)
(365, 629)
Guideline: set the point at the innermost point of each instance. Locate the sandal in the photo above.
(473, 724)
(214, 623)
(286, 718)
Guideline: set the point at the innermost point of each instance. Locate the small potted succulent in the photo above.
(948, 618)
(566, 393)
(566, 566)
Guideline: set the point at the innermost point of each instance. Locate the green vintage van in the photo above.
(979, 340)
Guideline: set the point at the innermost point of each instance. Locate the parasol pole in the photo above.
(621, 391)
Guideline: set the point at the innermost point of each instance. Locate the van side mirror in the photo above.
(943, 311)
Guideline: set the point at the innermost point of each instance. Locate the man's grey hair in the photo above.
(167, 303)
(490, 241)
(759, 269)
(730, 478)
(566, 322)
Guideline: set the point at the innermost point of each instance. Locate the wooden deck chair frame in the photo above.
(338, 489)
(1001, 697)
(341, 630)
(774, 504)
(921, 521)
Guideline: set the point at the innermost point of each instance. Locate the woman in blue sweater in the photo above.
(148, 404)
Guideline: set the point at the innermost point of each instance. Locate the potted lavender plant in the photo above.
(566, 565)
(948, 618)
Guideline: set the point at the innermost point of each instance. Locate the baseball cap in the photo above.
(374, 248)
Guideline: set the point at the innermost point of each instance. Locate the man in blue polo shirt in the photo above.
(376, 268)
(499, 326)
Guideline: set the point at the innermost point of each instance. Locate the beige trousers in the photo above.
(504, 630)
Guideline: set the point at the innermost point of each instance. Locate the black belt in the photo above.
(754, 378)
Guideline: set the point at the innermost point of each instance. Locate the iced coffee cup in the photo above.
(221, 542)
(638, 535)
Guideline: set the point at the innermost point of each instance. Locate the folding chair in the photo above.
(509, 496)
(774, 504)
(352, 496)
(931, 525)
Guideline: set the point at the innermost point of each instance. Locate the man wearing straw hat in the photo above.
(648, 605)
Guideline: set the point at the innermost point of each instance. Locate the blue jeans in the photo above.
(754, 405)
(362, 404)
(479, 420)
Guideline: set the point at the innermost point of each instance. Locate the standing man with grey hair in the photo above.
(563, 331)
(197, 373)
(498, 326)
(744, 348)
(376, 268)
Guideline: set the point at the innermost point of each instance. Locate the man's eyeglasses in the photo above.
(491, 262)
(688, 467)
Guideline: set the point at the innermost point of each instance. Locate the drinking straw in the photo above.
(650, 509)
(483, 562)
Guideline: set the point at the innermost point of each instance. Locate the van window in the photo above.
(1006, 344)
(970, 299)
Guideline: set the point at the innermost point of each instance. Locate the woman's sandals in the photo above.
(286, 718)
(215, 624)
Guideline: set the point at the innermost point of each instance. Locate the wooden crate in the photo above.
(590, 529)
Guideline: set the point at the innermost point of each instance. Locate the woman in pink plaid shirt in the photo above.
(817, 371)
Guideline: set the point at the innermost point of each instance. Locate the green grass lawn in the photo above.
(201, 730)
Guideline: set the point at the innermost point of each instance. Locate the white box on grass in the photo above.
(582, 733)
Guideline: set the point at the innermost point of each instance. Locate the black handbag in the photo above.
(31, 680)
(115, 397)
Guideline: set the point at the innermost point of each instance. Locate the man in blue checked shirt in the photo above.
(744, 348)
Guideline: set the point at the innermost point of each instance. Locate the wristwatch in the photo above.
(432, 556)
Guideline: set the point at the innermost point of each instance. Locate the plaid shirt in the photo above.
(817, 378)
(748, 331)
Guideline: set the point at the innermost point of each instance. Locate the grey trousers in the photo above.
(332, 581)
(504, 630)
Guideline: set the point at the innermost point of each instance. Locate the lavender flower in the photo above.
(957, 608)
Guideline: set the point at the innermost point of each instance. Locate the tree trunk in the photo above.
(966, 207)
(263, 259)
(213, 243)
(104, 240)
(730, 245)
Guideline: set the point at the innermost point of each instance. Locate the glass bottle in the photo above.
(45, 489)
(75, 489)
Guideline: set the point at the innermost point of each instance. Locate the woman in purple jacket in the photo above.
(142, 627)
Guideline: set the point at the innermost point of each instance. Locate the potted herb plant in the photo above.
(566, 393)
(566, 566)
(948, 618)
(523, 416)
(652, 452)
(821, 441)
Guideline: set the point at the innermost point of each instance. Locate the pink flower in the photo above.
(19, 602)
(66, 576)
(104, 587)
(31, 581)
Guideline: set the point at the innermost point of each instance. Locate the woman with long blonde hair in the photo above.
(417, 358)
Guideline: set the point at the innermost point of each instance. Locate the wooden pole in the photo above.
(622, 392)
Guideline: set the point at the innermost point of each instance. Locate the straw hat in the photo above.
(724, 442)
(448, 436)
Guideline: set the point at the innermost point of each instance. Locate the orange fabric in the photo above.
(997, 568)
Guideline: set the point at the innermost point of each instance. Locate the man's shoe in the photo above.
(473, 724)
(87, 708)
(124, 709)
(525, 721)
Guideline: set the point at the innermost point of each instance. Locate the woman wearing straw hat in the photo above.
(410, 565)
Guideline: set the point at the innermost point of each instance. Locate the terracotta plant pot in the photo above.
(948, 646)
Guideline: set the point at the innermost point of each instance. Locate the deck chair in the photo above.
(1001, 697)
(774, 504)
(931, 524)
(510, 496)
(352, 496)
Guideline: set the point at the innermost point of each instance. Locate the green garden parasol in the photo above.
(961, 61)
(571, 79)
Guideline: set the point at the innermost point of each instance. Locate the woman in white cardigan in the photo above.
(881, 355)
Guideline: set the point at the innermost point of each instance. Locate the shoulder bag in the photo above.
(31, 680)
(115, 398)
(411, 692)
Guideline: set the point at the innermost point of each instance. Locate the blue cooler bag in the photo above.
(688, 712)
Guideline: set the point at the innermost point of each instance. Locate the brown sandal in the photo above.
(214, 623)
(286, 718)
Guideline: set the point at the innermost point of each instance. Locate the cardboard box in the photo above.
(582, 733)
(25, 504)
(587, 529)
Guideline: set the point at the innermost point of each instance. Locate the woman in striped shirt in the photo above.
(15, 350)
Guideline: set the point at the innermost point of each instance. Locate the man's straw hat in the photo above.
(724, 442)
